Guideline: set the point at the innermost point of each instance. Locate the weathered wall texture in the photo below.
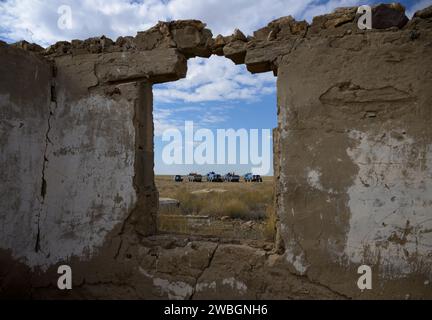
(25, 103)
(352, 161)
(356, 160)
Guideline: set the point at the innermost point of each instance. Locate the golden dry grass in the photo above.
(247, 201)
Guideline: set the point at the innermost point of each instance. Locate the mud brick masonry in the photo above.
(353, 163)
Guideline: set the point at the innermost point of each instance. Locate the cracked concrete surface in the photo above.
(352, 164)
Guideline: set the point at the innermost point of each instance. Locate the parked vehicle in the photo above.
(249, 177)
(178, 178)
(257, 178)
(214, 177)
(194, 177)
(232, 177)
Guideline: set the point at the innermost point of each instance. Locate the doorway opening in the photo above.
(214, 152)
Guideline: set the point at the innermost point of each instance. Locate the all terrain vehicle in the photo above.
(232, 177)
(214, 177)
(249, 177)
(194, 177)
(178, 178)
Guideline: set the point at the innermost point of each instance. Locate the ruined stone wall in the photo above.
(77, 161)
(352, 163)
(81, 169)
(25, 104)
(355, 159)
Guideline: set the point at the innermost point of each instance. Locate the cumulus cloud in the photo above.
(36, 20)
(216, 79)
(208, 80)
(163, 120)
(173, 117)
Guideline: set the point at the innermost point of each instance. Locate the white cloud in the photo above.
(36, 20)
(162, 119)
(216, 79)
(173, 117)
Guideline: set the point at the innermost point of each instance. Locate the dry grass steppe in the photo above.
(229, 206)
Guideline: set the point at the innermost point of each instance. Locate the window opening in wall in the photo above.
(214, 152)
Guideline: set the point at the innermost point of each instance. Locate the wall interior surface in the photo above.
(355, 160)
(25, 102)
(352, 163)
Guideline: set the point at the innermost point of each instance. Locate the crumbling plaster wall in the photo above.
(355, 159)
(25, 103)
(77, 160)
(89, 182)
(352, 163)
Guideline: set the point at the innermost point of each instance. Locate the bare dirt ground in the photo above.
(227, 210)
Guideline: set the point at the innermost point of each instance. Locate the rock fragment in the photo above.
(386, 16)
(236, 51)
(126, 43)
(33, 47)
(339, 17)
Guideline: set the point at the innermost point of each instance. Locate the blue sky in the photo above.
(216, 94)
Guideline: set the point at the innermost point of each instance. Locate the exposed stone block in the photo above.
(387, 16)
(157, 66)
(236, 51)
